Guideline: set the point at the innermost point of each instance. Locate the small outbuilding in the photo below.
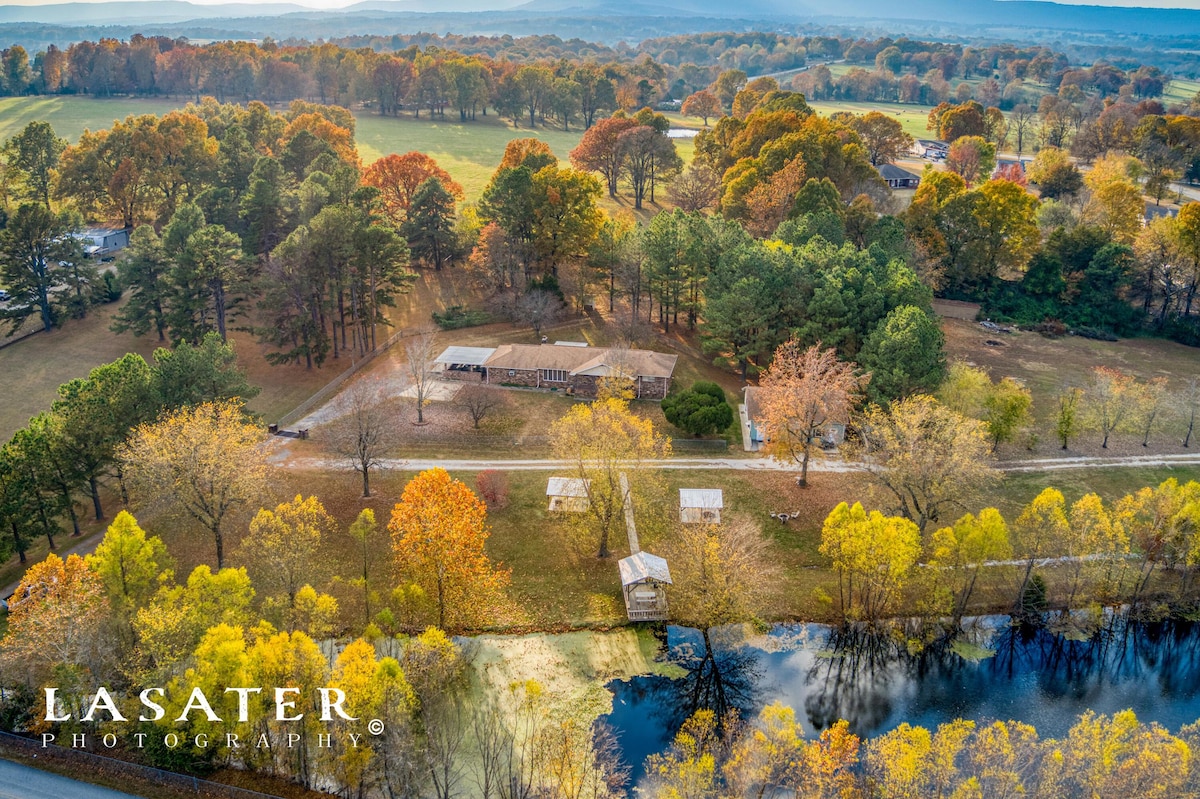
(567, 494)
(102, 242)
(644, 578)
(700, 505)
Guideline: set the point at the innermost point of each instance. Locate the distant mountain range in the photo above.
(1148, 30)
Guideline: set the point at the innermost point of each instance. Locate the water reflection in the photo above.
(876, 683)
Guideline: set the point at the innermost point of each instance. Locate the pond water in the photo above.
(1031, 676)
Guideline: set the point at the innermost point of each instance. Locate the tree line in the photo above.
(67, 456)
(770, 755)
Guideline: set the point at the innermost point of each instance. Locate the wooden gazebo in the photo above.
(644, 578)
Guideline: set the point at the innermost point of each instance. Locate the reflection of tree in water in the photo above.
(856, 681)
(1121, 650)
(719, 675)
(866, 675)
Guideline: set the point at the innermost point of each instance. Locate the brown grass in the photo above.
(1047, 365)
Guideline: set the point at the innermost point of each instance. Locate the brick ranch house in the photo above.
(571, 367)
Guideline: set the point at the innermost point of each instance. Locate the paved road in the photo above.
(22, 782)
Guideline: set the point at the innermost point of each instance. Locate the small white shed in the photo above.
(644, 578)
(567, 494)
(700, 505)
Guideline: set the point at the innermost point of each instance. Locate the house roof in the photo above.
(938, 143)
(893, 172)
(566, 487)
(1155, 211)
(465, 356)
(582, 360)
(753, 411)
(643, 566)
(706, 498)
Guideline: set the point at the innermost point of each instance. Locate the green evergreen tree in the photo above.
(429, 227)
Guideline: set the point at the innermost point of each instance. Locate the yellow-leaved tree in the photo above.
(926, 456)
(177, 617)
(874, 556)
(281, 552)
(1040, 530)
(204, 462)
(602, 440)
(374, 689)
(128, 564)
(963, 549)
(438, 535)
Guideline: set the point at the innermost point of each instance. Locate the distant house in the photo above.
(101, 241)
(567, 494)
(1008, 163)
(1153, 212)
(898, 178)
(571, 367)
(644, 578)
(700, 505)
(933, 149)
(758, 434)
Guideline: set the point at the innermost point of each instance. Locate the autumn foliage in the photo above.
(438, 535)
(398, 176)
(55, 618)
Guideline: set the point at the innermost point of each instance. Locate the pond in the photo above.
(1022, 674)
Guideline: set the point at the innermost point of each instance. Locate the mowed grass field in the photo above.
(1180, 91)
(913, 118)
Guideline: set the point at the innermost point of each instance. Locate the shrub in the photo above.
(457, 316)
(700, 410)
(492, 486)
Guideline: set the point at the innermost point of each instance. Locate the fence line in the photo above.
(332, 387)
(114, 767)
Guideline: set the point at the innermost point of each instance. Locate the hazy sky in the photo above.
(1193, 4)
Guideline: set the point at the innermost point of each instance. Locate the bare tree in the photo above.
(1189, 405)
(479, 401)
(1021, 124)
(362, 434)
(697, 188)
(421, 354)
(538, 308)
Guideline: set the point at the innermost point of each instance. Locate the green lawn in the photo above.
(469, 151)
(1180, 91)
(913, 118)
(70, 116)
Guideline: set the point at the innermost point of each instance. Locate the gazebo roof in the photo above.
(643, 566)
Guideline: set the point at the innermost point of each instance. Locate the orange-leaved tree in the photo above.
(398, 176)
(438, 535)
(56, 620)
(803, 391)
